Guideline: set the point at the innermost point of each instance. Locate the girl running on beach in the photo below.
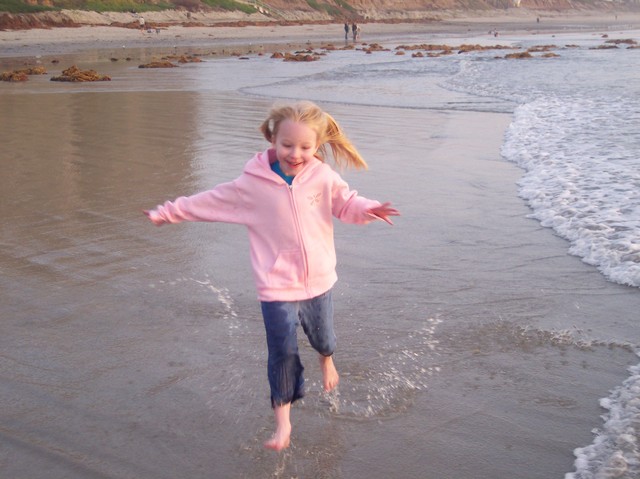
(286, 197)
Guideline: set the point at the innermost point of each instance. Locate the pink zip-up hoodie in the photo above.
(290, 227)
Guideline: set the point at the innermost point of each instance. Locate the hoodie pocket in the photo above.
(322, 261)
(288, 270)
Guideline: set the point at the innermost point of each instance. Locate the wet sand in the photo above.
(133, 351)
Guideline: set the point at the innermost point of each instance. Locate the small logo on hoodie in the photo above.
(314, 199)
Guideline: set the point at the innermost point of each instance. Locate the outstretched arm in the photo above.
(383, 212)
(222, 203)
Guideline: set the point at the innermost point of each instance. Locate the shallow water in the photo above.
(470, 343)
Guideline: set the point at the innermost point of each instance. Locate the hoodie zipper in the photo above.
(296, 217)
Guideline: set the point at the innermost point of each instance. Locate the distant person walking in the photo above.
(346, 31)
(354, 30)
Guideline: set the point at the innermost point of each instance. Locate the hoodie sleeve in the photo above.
(348, 207)
(222, 203)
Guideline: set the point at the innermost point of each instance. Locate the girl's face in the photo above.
(295, 144)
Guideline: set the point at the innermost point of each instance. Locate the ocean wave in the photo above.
(615, 451)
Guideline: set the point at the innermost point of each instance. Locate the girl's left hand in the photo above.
(384, 211)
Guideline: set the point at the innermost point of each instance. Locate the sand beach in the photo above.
(106, 41)
(470, 343)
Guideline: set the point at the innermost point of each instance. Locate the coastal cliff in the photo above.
(56, 13)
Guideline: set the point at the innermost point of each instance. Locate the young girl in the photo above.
(286, 197)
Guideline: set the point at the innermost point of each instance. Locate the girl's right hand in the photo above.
(153, 218)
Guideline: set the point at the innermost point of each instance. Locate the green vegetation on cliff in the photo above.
(334, 8)
(20, 6)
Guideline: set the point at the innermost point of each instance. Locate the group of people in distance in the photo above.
(355, 30)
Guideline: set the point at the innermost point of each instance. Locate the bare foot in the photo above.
(330, 378)
(281, 438)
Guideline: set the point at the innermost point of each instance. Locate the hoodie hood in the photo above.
(260, 166)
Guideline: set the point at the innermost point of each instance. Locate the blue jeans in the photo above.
(281, 320)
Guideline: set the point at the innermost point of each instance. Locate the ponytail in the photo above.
(344, 152)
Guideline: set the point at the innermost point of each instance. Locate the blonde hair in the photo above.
(325, 126)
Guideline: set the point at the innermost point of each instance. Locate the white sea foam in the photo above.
(575, 132)
(581, 179)
(615, 452)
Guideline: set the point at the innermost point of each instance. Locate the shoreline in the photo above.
(99, 42)
(124, 371)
